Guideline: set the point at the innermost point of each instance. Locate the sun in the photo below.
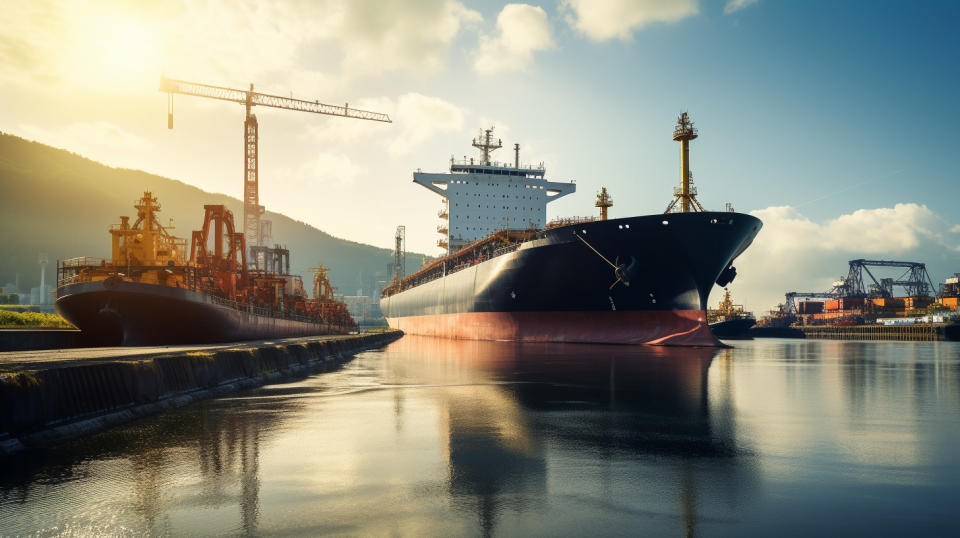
(118, 53)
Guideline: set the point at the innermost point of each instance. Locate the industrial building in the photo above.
(861, 297)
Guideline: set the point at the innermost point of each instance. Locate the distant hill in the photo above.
(60, 203)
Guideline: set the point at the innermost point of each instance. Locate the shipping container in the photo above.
(850, 303)
(832, 304)
(810, 307)
(917, 302)
(949, 302)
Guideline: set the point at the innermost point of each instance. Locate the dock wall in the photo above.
(41, 407)
(915, 333)
(928, 332)
(32, 339)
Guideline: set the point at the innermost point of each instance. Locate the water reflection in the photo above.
(203, 457)
(531, 402)
(441, 437)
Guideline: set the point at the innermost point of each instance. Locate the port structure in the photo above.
(252, 210)
(915, 281)
(399, 256)
(322, 290)
(604, 202)
(686, 194)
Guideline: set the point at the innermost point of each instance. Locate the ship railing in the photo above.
(83, 262)
(66, 281)
(261, 311)
(440, 272)
(506, 249)
(498, 164)
(560, 222)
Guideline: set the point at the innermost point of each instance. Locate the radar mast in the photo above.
(486, 144)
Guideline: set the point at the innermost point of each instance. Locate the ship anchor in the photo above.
(619, 269)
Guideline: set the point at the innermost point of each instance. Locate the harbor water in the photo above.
(432, 437)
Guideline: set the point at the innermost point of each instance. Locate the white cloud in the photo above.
(379, 36)
(795, 253)
(117, 46)
(955, 229)
(883, 230)
(420, 117)
(737, 5)
(522, 29)
(601, 20)
(329, 168)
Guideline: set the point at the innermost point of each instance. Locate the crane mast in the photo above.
(252, 210)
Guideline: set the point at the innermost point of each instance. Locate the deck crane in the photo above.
(252, 210)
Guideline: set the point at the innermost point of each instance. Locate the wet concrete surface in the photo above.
(15, 361)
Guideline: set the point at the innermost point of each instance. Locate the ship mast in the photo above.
(686, 194)
(485, 144)
(604, 201)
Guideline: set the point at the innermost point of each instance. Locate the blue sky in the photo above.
(834, 121)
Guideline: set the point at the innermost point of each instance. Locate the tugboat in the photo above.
(510, 275)
(151, 293)
(729, 321)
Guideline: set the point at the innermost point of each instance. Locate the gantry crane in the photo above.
(252, 210)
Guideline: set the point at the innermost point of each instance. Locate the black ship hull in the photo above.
(560, 285)
(733, 329)
(111, 312)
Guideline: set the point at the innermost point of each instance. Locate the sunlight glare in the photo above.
(121, 52)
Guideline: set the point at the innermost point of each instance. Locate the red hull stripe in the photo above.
(663, 327)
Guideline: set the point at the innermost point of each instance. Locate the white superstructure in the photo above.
(482, 197)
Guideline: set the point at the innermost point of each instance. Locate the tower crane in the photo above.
(252, 210)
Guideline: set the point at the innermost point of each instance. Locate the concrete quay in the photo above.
(927, 332)
(48, 396)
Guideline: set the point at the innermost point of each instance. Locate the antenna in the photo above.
(485, 144)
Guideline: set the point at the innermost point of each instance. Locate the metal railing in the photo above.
(497, 164)
(567, 221)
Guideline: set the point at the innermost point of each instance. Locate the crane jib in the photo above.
(197, 89)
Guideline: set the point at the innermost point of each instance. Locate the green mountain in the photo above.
(62, 204)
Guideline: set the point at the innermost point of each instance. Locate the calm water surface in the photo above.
(435, 437)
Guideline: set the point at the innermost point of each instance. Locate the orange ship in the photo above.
(151, 293)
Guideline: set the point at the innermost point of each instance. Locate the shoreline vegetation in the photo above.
(32, 320)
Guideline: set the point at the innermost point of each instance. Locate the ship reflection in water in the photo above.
(445, 437)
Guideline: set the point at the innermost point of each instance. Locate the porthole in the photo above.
(713, 221)
(666, 222)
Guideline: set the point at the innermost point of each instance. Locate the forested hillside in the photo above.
(56, 202)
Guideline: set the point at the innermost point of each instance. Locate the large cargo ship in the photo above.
(510, 275)
(150, 293)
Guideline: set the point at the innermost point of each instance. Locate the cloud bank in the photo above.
(794, 253)
(602, 20)
(522, 29)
